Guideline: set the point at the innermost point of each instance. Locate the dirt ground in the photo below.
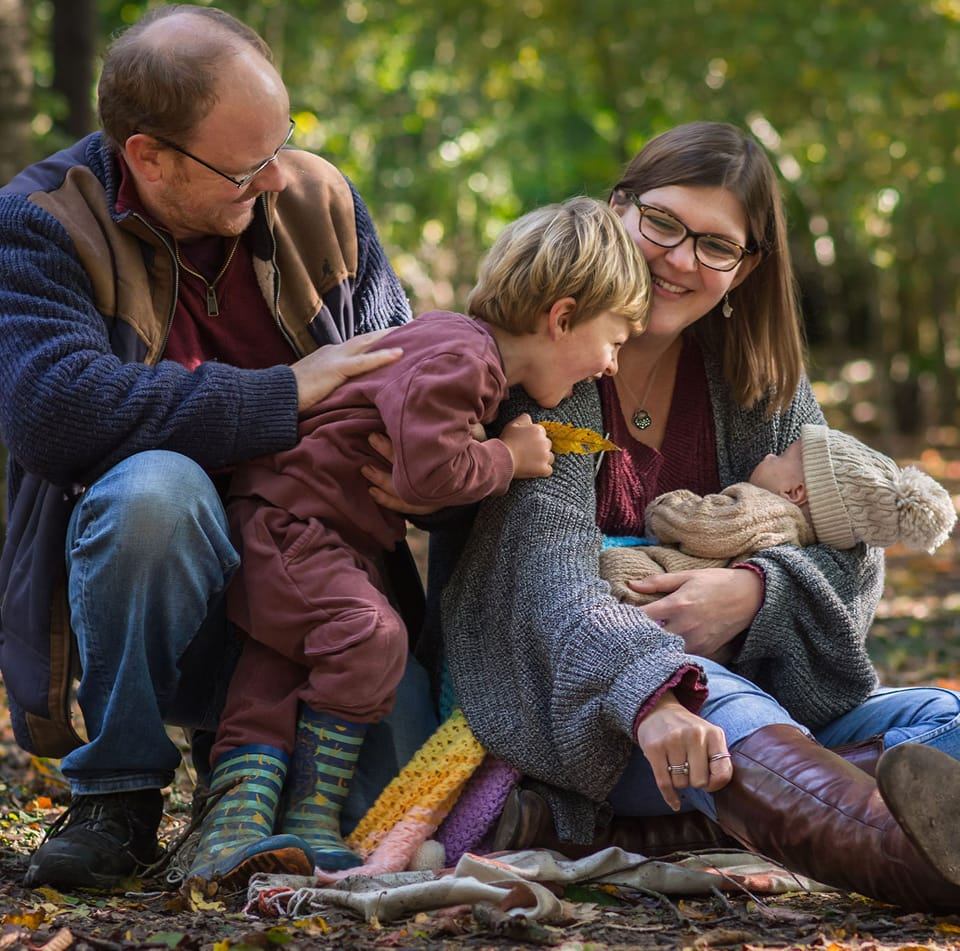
(916, 639)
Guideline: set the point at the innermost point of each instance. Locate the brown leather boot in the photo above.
(803, 806)
(864, 755)
(527, 823)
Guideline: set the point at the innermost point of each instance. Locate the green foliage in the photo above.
(453, 118)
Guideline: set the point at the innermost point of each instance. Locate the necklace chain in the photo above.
(640, 417)
(213, 305)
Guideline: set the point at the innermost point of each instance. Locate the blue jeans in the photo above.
(927, 715)
(148, 559)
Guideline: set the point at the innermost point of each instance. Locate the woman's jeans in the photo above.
(149, 558)
(927, 715)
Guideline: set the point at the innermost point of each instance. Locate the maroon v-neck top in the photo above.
(629, 480)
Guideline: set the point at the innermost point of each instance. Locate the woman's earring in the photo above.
(727, 309)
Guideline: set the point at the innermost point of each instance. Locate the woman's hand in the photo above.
(381, 481)
(670, 735)
(707, 607)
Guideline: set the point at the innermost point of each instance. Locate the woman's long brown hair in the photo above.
(763, 349)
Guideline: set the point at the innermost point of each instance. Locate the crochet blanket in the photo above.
(450, 769)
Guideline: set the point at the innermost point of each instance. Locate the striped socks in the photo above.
(318, 782)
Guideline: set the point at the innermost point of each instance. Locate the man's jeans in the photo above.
(927, 715)
(149, 557)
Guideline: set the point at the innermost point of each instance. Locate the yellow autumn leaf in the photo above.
(51, 895)
(31, 920)
(199, 903)
(48, 769)
(221, 945)
(944, 927)
(566, 439)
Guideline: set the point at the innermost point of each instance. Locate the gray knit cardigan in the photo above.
(550, 670)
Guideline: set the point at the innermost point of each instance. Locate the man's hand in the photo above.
(319, 373)
(670, 735)
(707, 607)
(529, 446)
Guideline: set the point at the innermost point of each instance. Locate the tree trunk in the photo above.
(16, 82)
(73, 43)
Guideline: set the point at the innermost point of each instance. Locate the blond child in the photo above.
(561, 290)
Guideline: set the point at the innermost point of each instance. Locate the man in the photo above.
(173, 291)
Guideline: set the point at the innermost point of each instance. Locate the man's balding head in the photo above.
(161, 75)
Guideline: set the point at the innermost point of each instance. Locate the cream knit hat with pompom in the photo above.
(857, 494)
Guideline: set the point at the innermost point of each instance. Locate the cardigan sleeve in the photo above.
(550, 669)
(378, 297)
(807, 644)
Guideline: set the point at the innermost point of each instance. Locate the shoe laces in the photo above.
(99, 814)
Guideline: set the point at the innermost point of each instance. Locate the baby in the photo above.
(826, 488)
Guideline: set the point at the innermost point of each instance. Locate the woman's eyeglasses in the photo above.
(667, 231)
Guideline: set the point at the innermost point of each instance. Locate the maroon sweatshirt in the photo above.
(449, 377)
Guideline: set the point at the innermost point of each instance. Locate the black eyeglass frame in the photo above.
(643, 207)
(244, 180)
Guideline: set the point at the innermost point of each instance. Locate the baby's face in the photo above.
(781, 473)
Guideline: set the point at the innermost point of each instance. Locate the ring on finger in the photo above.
(683, 768)
(718, 756)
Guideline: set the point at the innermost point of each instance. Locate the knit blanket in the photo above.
(450, 769)
(711, 531)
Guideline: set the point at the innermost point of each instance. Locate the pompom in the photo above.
(926, 511)
(429, 857)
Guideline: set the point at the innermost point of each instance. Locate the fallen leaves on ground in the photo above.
(915, 639)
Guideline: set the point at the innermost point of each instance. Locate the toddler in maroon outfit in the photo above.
(561, 290)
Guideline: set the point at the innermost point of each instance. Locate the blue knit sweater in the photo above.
(85, 301)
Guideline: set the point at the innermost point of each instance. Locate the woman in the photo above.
(601, 701)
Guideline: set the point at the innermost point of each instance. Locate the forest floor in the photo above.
(915, 639)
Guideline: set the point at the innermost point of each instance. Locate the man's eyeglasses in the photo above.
(243, 180)
(711, 250)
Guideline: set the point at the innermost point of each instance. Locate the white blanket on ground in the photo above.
(517, 883)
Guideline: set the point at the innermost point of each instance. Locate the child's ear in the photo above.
(558, 317)
(796, 493)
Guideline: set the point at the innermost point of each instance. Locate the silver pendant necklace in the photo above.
(641, 418)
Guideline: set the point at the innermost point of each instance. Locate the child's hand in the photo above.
(529, 445)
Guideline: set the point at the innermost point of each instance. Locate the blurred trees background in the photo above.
(453, 118)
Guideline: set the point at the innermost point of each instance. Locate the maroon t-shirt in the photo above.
(629, 480)
(244, 334)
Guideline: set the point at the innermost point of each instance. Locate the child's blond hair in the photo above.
(577, 249)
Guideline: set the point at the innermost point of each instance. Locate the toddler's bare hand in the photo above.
(529, 446)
